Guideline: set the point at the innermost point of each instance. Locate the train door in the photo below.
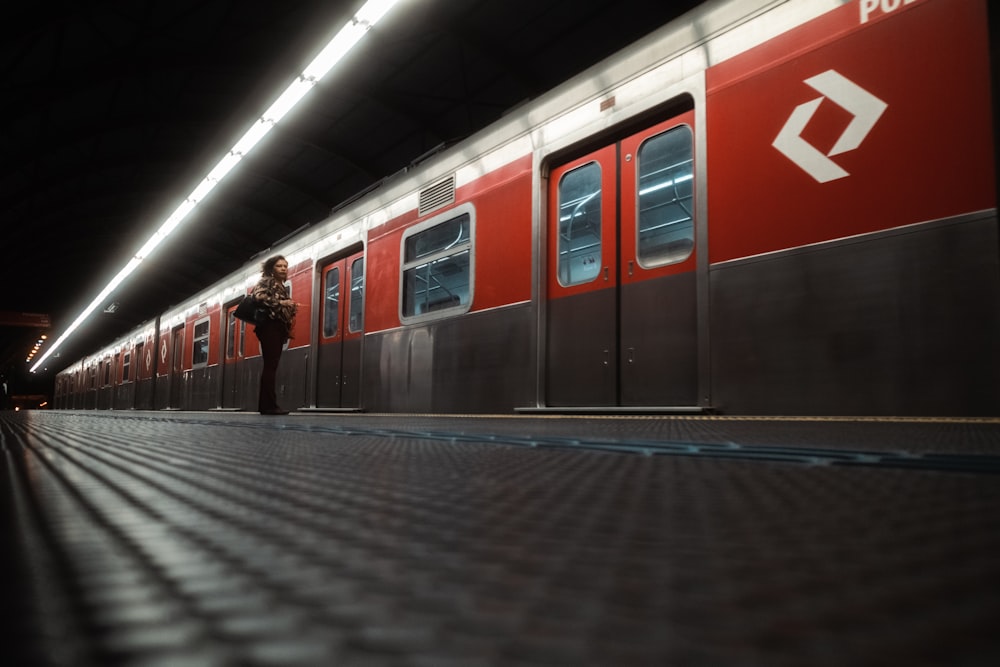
(176, 366)
(234, 361)
(622, 312)
(341, 331)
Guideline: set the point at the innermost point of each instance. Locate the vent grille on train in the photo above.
(436, 196)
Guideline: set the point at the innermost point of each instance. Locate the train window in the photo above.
(199, 356)
(356, 315)
(126, 366)
(331, 307)
(580, 225)
(666, 198)
(437, 267)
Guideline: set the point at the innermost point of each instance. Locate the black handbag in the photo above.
(247, 310)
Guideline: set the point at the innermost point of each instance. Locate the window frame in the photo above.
(645, 262)
(195, 338)
(357, 306)
(288, 289)
(234, 326)
(126, 366)
(443, 218)
(600, 224)
(231, 324)
(325, 285)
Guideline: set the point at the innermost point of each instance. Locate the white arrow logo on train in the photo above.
(865, 107)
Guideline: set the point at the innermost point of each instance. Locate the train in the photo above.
(761, 208)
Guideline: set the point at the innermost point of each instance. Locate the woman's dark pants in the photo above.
(271, 334)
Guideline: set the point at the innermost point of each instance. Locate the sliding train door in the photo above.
(621, 314)
(176, 367)
(234, 367)
(341, 331)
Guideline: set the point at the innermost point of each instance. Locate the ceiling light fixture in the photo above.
(332, 53)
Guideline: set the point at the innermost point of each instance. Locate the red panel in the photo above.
(163, 362)
(503, 244)
(928, 156)
(251, 346)
(301, 277)
(214, 339)
(606, 157)
(382, 297)
(506, 173)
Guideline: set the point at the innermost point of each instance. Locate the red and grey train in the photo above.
(770, 207)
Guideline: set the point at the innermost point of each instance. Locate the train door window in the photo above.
(106, 373)
(231, 336)
(288, 289)
(199, 355)
(356, 314)
(235, 337)
(437, 267)
(665, 198)
(126, 366)
(580, 225)
(331, 308)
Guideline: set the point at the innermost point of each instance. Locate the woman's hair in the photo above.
(267, 268)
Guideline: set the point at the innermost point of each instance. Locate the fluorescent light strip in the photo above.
(338, 47)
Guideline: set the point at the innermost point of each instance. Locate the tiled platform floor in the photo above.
(371, 540)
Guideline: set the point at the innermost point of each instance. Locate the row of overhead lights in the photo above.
(37, 347)
(350, 34)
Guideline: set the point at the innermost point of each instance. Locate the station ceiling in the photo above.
(114, 110)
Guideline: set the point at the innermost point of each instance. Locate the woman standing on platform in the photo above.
(274, 326)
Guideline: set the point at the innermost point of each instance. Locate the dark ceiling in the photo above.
(114, 110)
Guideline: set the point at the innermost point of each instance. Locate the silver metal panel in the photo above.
(582, 349)
(328, 376)
(291, 380)
(659, 346)
(350, 374)
(475, 363)
(904, 323)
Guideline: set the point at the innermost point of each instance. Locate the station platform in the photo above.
(362, 540)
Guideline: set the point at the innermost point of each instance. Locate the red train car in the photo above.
(761, 208)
